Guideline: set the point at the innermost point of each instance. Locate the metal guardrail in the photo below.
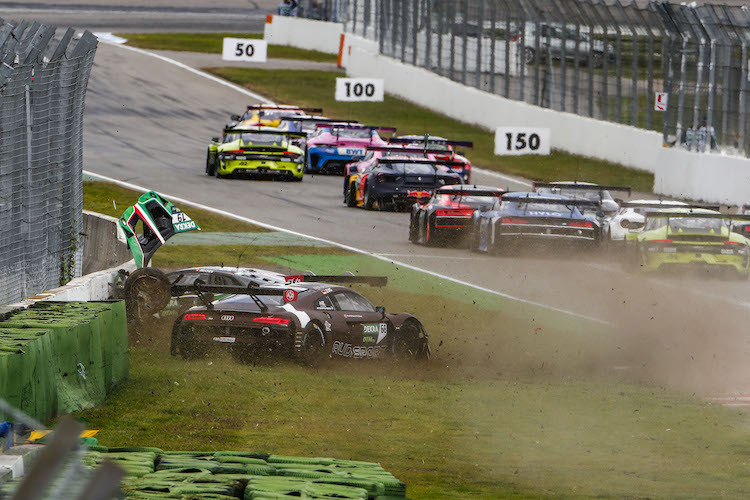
(605, 60)
(43, 78)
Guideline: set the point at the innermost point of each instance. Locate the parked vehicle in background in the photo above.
(553, 37)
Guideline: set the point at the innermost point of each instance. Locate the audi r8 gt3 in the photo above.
(333, 145)
(607, 206)
(258, 152)
(309, 321)
(686, 239)
(443, 149)
(269, 115)
(150, 223)
(447, 216)
(534, 217)
(397, 183)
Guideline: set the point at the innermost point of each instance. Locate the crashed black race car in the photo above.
(305, 319)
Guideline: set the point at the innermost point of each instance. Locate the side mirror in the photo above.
(215, 139)
(381, 310)
(235, 118)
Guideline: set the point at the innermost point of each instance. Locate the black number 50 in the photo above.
(247, 50)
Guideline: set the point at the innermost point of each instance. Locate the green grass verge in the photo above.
(212, 43)
(110, 199)
(315, 89)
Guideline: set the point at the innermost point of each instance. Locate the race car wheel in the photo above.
(147, 292)
(183, 344)
(351, 196)
(210, 166)
(368, 202)
(313, 345)
(410, 343)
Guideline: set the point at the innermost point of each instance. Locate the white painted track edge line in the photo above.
(350, 248)
(508, 178)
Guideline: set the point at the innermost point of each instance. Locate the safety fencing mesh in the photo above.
(678, 69)
(43, 78)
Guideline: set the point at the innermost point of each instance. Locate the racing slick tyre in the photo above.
(411, 342)
(210, 165)
(313, 345)
(183, 344)
(351, 196)
(368, 202)
(147, 292)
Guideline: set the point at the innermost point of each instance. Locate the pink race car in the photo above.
(333, 145)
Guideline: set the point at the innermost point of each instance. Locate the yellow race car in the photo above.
(270, 115)
(258, 152)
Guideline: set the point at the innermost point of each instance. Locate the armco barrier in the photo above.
(60, 357)
(679, 173)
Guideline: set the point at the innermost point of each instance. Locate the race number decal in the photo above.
(359, 89)
(244, 49)
(522, 141)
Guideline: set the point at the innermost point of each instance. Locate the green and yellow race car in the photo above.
(256, 152)
(690, 239)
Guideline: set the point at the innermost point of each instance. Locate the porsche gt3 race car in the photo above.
(691, 239)
(397, 183)
(532, 218)
(258, 152)
(309, 321)
(269, 115)
(150, 223)
(600, 194)
(443, 149)
(333, 145)
(632, 217)
(446, 217)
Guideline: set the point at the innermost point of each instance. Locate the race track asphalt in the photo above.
(148, 122)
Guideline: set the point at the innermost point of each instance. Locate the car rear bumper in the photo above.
(276, 169)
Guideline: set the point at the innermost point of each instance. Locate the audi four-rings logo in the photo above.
(227, 317)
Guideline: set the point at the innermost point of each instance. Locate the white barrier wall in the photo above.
(708, 177)
(303, 33)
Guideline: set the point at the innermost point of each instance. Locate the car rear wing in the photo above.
(355, 125)
(430, 140)
(316, 119)
(569, 202)
(337, 279)
(446, 163)
(458, 190)
(587, 187)
(695, 215)
(403, 149)
(262, 130)
(283, 107)
(656, 205)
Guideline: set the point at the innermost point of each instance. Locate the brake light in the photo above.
(625, 223)
(514, 220)
(579, 224)
(271, 320)
(237, 151)
(290, 153)
(195, 316)
(455, 212)
(668, 240)
(733, 243)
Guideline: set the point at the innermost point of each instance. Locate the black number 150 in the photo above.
(521, 142)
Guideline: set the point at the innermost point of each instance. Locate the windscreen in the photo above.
(541, 207)
(352, 133)
(578, 194)
(253, 139)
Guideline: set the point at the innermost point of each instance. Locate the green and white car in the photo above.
(256, 152)
(691, 239)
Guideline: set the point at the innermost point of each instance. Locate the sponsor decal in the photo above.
(374, 333)
(419, 194)
(357, 351)
(227, 317)
(294, 279)
(351, 151)
(327, 291)
(184, 226)
(290, 295)
(328, 326)
(226, 340)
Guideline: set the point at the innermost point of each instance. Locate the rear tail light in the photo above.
(733, 242)
(668, 240)
(580, 224)
(271, 320)
(235, 151)
(514, 220)
(195, 316)
(455, 212)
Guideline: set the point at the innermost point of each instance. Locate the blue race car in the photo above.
(333, 145)
(535, 217)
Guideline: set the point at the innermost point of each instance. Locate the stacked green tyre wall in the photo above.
(155, 474)
(62, 357)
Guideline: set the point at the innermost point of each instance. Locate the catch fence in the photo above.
(678, 69)
(43, 78)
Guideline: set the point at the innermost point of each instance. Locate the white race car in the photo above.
(631, 217)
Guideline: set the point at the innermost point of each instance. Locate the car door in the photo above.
(360, 324)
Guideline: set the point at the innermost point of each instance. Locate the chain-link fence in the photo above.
(678, 69)
(43, 80)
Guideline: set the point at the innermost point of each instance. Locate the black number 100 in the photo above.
(359, 89)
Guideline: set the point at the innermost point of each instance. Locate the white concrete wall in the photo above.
(303, 33)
